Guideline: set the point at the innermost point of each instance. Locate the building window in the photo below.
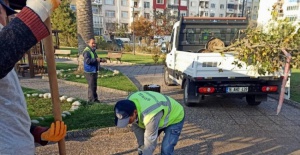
(110, 27)
(183, 14)
(95, 10)
(146, 4)
(221, 15)
(222, 6)
(173, 2)
(255, 8)
(109, 13)
(212, 5)
(124, 2)
(212, 14)
(160, 1)
(124, 14)
(230, 6)
(147, 15)
(110, 2)
(183, 3)
(96, 20)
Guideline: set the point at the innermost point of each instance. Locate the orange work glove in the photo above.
(56, 132)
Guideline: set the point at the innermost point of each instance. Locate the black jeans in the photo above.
(92, 89)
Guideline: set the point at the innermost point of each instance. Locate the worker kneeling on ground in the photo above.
(150, 113)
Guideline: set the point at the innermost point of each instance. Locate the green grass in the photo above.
(89, 116)
(65, 66)
(38, 107)
(295, 85)
(119, 82)
(29, 90)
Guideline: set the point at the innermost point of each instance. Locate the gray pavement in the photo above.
(216, 126)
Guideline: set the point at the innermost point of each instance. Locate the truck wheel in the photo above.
(251, 100)
(189, 98)
(168, 81)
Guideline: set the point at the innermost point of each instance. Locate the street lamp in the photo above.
(133, 29)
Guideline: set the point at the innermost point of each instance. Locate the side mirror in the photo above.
(164, 48)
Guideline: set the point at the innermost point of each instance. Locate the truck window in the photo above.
(200, 36)
(171, 40)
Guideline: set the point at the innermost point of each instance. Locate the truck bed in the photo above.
(214, 65)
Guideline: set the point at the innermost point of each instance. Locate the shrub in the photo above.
(101, 43)
(128, 48)
(155, 54)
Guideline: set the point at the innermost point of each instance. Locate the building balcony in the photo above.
(137, 9)
(96, 2)
(98, 14)
(230, 10)
(98, 25)
(173, 4)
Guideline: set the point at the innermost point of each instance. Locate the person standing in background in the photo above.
(91, 66)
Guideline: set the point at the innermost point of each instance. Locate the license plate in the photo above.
(237, 89)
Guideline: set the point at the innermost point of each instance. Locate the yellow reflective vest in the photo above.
(149, 103)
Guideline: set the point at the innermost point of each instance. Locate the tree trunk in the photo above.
(85, 30)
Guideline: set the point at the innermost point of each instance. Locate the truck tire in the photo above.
(168, 81)
(189, 98)
(251, 100)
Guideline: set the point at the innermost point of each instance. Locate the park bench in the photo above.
(65, 53)
(114, 55)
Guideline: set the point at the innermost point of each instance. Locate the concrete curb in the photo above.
(289, 102)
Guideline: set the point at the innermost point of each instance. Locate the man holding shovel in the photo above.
(17, 136)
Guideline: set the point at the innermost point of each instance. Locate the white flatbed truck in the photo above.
(211, 73)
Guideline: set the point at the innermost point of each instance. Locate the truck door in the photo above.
(170, 59)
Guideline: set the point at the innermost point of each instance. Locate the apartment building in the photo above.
(107, 14)
(291, 10)
(141, 8)
(223, 8)
(252, 9)
(97, 15)
(286, 9)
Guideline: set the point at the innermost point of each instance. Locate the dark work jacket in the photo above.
(90, 62)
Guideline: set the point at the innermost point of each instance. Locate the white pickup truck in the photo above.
(203, 73)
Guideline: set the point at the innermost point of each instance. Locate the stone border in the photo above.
(289, 102)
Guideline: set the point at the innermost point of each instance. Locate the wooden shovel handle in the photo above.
(49, 51)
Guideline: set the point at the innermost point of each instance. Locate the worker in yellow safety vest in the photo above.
(150, 113)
